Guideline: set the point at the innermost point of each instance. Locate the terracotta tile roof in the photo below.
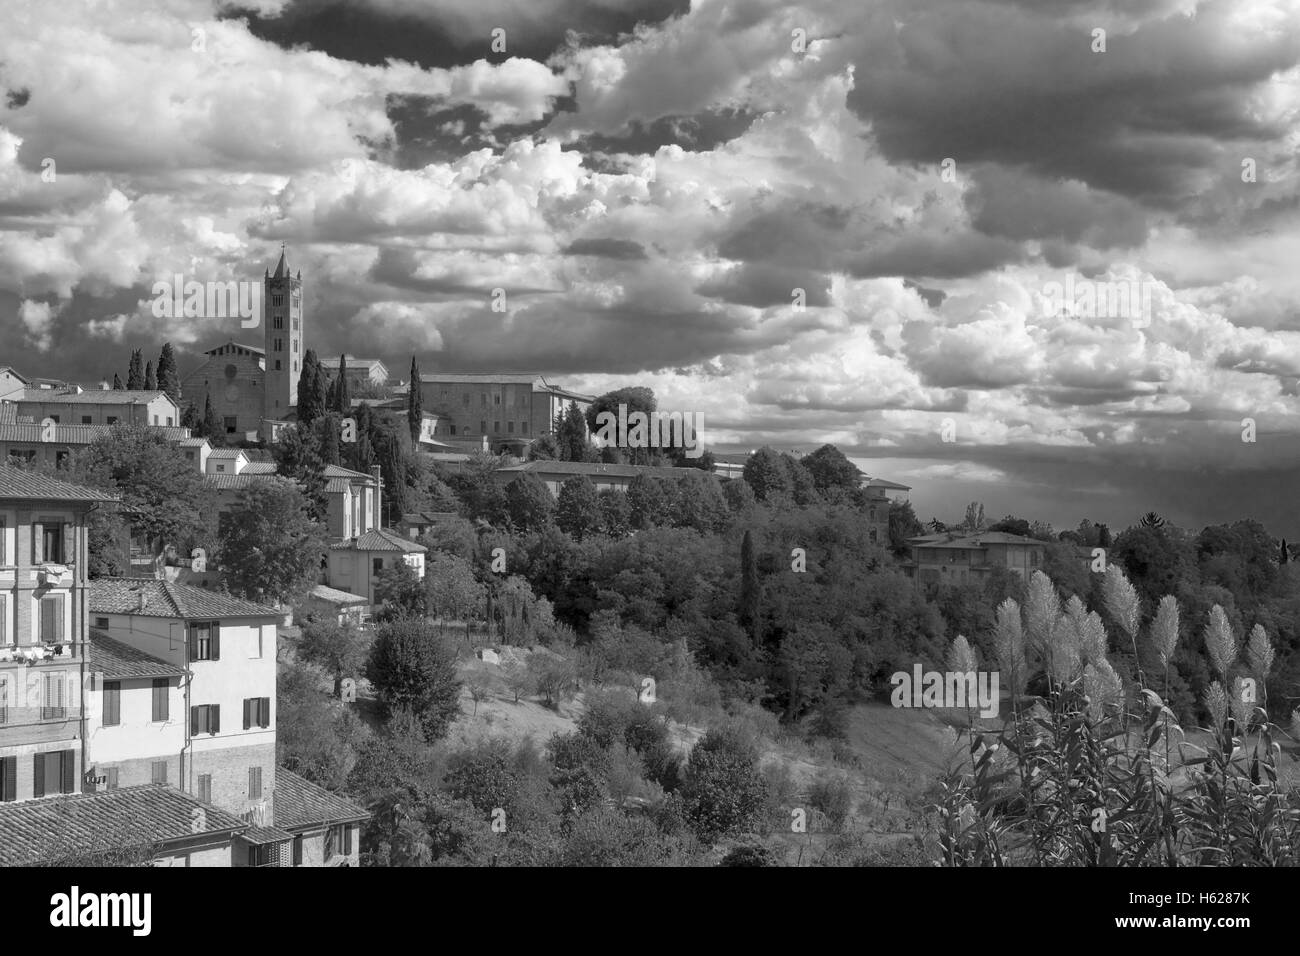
(58, 396)
(379, 539)
(300, 803)
(79, 434)
(192, 442)
(169, 599)
(334, 596)
(220, 453)
(8, 412)
(115, 660)
(16, 483)
(54, 828)
(261, 835)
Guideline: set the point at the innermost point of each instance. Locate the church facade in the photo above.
(251, 387)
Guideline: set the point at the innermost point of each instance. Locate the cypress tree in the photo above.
(150, 382)
(414, 403)
(342, 391)
(169, 377)
(117, 383)
(135, 371)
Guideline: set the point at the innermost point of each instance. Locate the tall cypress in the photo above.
(342, 392)
(414, 403)
(308, 408)
(117, 383)
(150, 382)
(169, 377)
(135, 372)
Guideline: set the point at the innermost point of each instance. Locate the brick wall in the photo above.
(229, 769)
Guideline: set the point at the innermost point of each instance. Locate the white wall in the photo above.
(137, 735)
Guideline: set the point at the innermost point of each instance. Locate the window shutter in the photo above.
(248, 706)
(58, 619)
(192, 643)
(266, 712)
(38, 775)
(9, 778)
(194, 721)
(38, 542)
(347, 840)
(216, 640)
(69, 761)
(214, 720)
(69, 544)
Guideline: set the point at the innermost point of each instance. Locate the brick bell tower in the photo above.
(283, 327)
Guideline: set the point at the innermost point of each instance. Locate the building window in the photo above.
(496, 399)
(101, 622)
(482, 426)
(52, 542)
(8, 779)
(523, 427)
(230, 424)
(453, 429)
(257, 712)
(112, 419)
(51, 614)
(53, 701)
(4, 699)
(205, 641)
(205, 787)
(278, 369)
(161, 704)
(496, 428)
(205, 719)
(111, 782)
(158, 771)
(297, 850)
(377, 565)
(112, 703)
(53, 772)
(85, 419)
(53, 418)
(255, 783)
(277, 322)
(510, 428)
(258, 855)
(221, 467)
(277, 300)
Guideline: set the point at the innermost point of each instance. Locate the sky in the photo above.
(844, 221)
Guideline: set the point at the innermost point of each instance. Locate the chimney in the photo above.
(379, 485)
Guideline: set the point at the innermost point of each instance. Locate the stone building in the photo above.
(251, 386)
(509, 409)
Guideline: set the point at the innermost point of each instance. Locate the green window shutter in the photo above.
(38, 775)
(192, 643)
(266, 712)
(216, 640)
(8, 779)
(347, 840)
(214, 719)
(248, 706)
(68, 759)
(69, 543)
(38, 542)
(194, 721)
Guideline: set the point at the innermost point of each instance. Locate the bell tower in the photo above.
(282, 320)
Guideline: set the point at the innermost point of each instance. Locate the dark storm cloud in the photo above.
(1150, 118)
(1016, 204)
(373, 33)
(767, 285)
(626, 249)
(939, 257)
(702, 131)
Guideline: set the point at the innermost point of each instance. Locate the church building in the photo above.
(252, 388)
